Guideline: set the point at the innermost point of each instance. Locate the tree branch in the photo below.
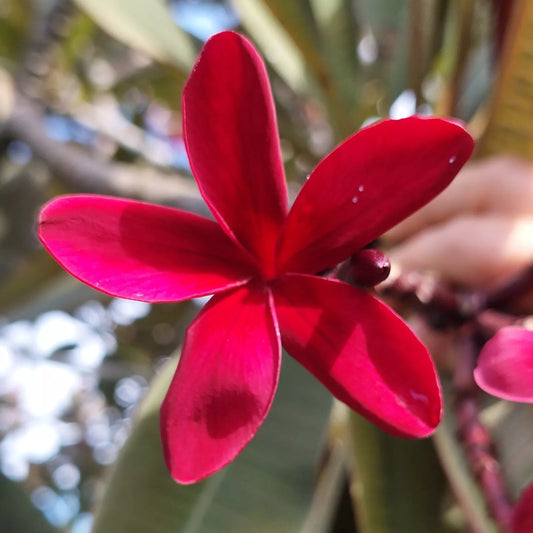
(82, 171)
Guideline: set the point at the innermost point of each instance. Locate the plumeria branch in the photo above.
(452, 306)
(479, 448)
(83, 171)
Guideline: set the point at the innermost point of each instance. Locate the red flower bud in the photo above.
(369, 267)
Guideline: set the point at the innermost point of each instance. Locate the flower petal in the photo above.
(522, 518)
(140, 251)
(232, 140)
(505, 365)
(368, 184)
(361, 351)
(224, 384)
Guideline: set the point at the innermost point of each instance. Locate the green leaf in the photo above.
(17, 513)
(297, 19)
(425, 24)
(511, 427)
(267, 488)
(277, 46)
(397, 484)
(457, 43)
(507, 131)
(146, 25)
(387, 22)
(15, 20)
(339, 37)
(464, 486)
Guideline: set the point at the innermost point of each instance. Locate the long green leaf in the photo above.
(511, 426)
(387, 22)
(297, 19)
(397, 484)
(462, 483)
(267, 488)
(507, 131)
(145, 25)
(339, 36)
(277, 46)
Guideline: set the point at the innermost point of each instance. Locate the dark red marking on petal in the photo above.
(224, 383)
(141, 251)
(361, 351)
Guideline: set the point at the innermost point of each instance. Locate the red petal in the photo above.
(140, 251)
(505, 365)
(224, 384)
(361, 351)
(368, 184)
(232, 140)
(522, 519)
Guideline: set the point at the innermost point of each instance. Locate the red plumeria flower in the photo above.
(260, 261)
(505, 365)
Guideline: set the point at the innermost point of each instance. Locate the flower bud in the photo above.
(368, 267)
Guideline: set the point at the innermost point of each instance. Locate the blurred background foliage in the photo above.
(90, 102)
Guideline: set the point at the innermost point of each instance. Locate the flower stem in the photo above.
(477, 442)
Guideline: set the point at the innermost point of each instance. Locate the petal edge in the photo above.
(361, 351)
(223, 386)
(505, 365)
(374, 179)
(140, 251)
(231, 134)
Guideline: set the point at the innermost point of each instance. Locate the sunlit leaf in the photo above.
(146, 25)
(297, 19)
(275, 44)
(507, 131)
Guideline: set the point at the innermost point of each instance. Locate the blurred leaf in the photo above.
(462, 483)
(277, 46)
(507, 131)
(329, 487)
(27, 279)
(157, 83)
(146, 25)
(15, 20)
(386, 22)
(425, 25)
(455, 53)
(339, 37)
(511, 426)
(78, 37)
(267, 488)
(397, 484)
(17, 513)
(297, 19)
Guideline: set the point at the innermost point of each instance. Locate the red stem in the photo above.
(479, 447)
